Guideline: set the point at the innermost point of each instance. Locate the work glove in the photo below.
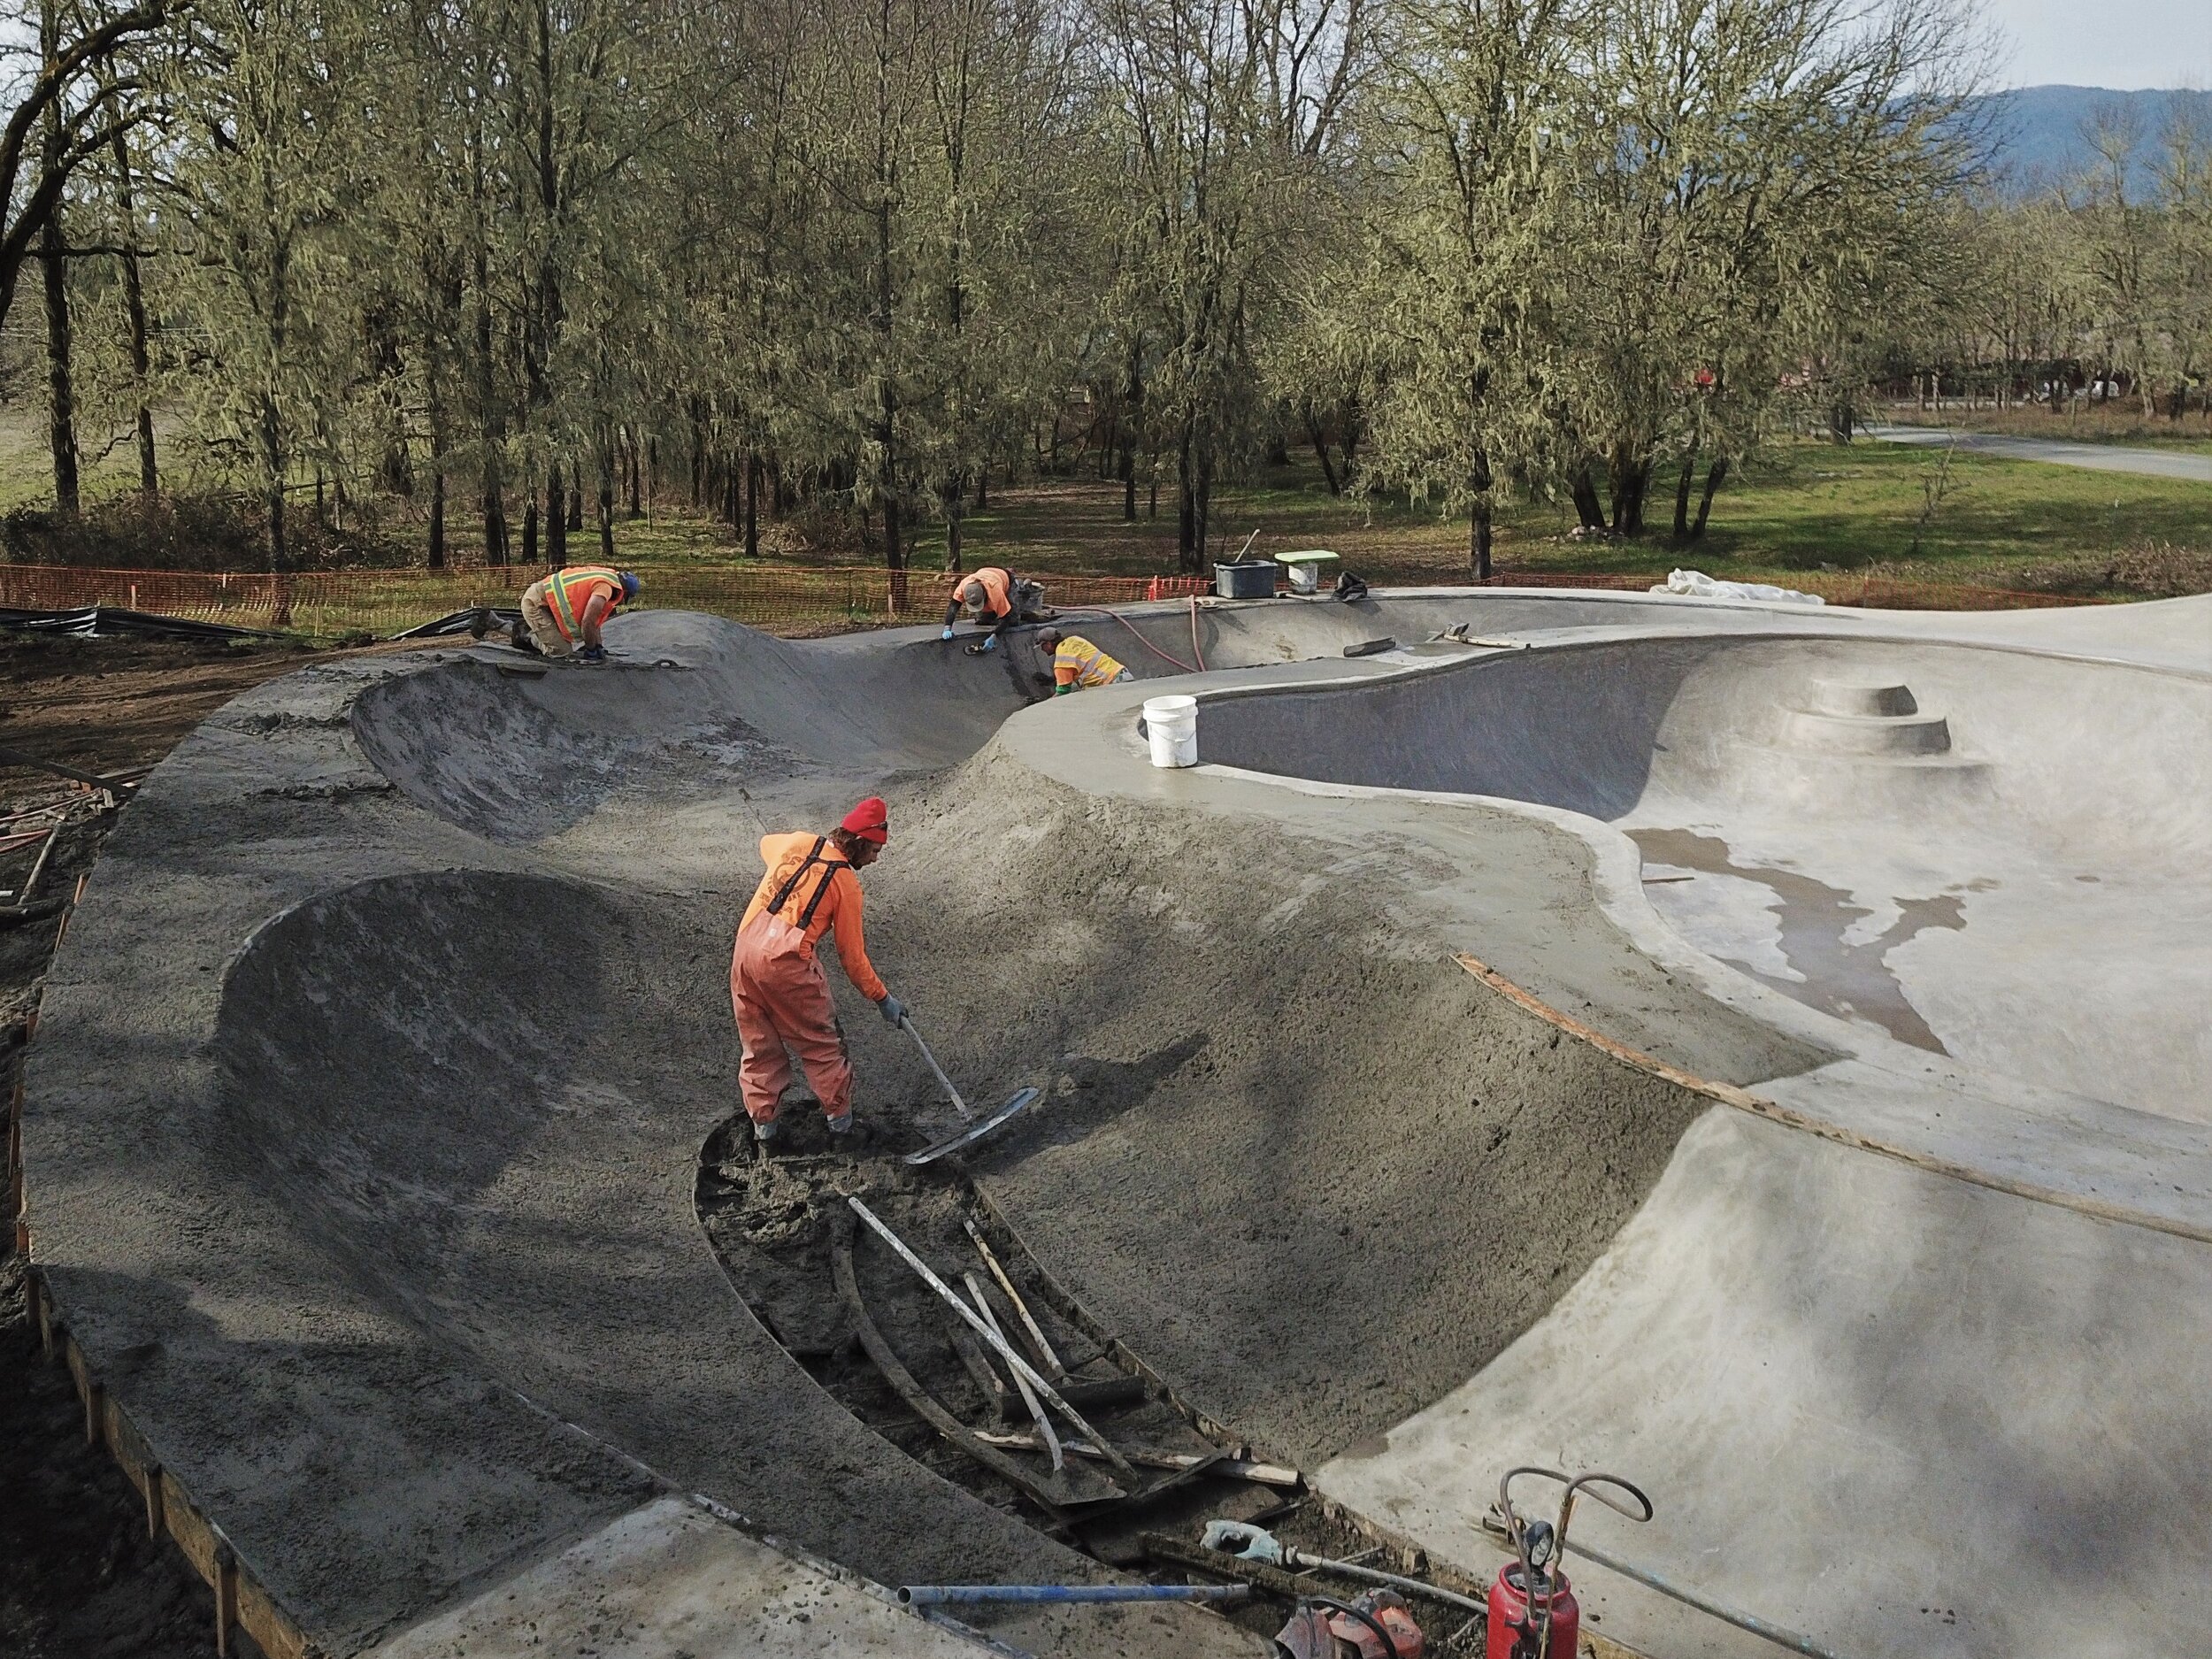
(1062, 691)
(1244, 1540)
(893, 1011)
(592, 654)
(991, 643)
(946, 635)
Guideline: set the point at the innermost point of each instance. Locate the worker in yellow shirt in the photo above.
(1077, 664)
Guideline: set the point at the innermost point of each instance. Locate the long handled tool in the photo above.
(972, 1128)
(906, 1025)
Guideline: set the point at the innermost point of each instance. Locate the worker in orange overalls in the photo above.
(563, 613)
(778, 988)
(995, 598)
(1077, 664)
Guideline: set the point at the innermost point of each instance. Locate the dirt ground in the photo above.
(79, 1576)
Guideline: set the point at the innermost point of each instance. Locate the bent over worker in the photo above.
(778, 988)
(997, 598)
(1077, 664)
(563, 613)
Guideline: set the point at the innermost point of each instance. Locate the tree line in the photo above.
(2095, 287)
(516, 261)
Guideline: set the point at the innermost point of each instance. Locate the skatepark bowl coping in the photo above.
(1822, 1147)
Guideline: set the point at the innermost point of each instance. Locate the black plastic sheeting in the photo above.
(498, 619)
(112, 620)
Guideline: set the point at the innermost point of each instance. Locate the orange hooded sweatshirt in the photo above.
(838, 911)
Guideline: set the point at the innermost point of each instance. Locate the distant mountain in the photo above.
(2039, 130)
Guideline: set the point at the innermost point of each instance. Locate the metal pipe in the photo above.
(1014, 1362)
(1369, 1575)
(1029, 1396)
(1779, 1635)
(1050, 1360)
(941, 1595)
(38, 866)
(906, 1024)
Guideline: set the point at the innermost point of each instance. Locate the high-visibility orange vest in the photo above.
(568, 594)
(997, 597)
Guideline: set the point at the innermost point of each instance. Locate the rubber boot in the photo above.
(518, 636)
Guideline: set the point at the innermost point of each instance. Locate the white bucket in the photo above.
(1171, 726)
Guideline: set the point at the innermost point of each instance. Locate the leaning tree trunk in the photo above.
(61, 389)
(1478, 517)
(556, 519)
(752, 503)
(135, 314)
(1682, 496)
(1321, 449)
(1716, 476)
(606, 499)
(1589, 509)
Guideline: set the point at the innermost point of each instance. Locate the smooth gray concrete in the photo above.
(368, 1086)
(2098, 457)
(2005, 871)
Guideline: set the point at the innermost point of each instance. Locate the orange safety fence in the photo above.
(332, 603)
(777, 598)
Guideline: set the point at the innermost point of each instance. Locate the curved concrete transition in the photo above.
(1760, 1053)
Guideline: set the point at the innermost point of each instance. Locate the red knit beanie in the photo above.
(870, 820)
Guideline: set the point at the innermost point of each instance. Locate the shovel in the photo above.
(973, 1129)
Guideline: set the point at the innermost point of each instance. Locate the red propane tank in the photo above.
(1516, 1628)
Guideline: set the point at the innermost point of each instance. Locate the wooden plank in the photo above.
(194, 1536)
(261, 1618)
(126, 1445)
(225, 1599)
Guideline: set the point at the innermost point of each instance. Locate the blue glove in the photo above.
(991, 645)
(946, 635)
(592, 654)
(893, 1011)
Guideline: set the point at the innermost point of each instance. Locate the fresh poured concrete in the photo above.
(369, 1084)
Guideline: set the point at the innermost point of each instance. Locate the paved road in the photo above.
(2100, 457)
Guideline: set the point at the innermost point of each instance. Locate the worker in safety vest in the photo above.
(778, 987)
(995, 598)
(1077, 664)
(562, 613)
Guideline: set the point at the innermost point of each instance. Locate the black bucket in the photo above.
(1248, 579)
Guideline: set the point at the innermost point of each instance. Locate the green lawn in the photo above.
(1810, 506)
(2118, 423)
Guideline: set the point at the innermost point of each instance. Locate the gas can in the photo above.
(1515, 1626)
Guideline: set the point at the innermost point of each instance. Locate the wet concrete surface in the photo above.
(371, 1089)
(1825, 967)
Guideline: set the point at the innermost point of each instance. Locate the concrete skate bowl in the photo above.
(1990, 855)
(518, 750)
(372, 1086)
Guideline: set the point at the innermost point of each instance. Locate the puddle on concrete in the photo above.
(1843, 975)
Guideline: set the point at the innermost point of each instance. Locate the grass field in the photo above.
(1810, 506)
(2117, 422)
(1813, 506)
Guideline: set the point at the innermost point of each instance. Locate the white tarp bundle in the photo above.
(1698, 585)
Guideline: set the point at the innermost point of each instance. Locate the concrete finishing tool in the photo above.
(972, 1128)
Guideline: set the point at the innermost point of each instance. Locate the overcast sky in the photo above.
(2123, 44)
